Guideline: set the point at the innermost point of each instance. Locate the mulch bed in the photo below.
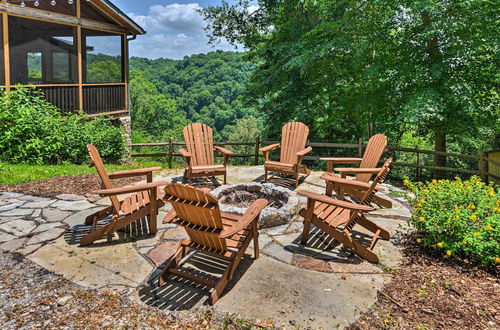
(428, 292)
(71, 184)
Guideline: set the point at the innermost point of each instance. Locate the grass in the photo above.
(20, 173)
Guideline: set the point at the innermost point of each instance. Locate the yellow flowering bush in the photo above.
(461, 219)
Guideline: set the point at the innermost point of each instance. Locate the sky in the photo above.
(174, 28)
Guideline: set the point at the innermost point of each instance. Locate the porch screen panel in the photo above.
(2, 58)
(42, 53)
(103, 57)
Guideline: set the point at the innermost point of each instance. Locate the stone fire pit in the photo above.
(283, 204)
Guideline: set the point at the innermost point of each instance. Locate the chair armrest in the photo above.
(355, 170)
(224, 151)
(348, 182)
(131, 189)
(342, 160)
(184, 153)
(304, 151)
(335, 202)
(132, 173)
(270, 147)
(252, 213)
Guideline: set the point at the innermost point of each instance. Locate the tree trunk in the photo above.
(440, 145)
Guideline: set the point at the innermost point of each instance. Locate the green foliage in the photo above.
(204, 88)
(458, 218)
(344, 66)
(245, 130)
(32, 131)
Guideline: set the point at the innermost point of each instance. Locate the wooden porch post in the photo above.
(6, 49)
(80, 56)
(125, 73)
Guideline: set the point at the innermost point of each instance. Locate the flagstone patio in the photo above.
(318, 284)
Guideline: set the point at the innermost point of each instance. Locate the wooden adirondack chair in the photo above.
(224, 235)
(366, 170)
(293, 148)
(144, 201)
(200, 153)
(337, 218)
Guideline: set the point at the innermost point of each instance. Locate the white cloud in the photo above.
(173, 31)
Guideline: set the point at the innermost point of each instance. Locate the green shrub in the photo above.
(459, 218)
(32, 131)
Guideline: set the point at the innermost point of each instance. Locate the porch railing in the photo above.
(97, 98)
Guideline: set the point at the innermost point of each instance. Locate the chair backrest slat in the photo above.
(374, 150)
(200, 143)
(201, 211)
(293, 139)
(97, 162)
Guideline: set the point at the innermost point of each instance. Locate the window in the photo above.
(103, 57)
(34, 68)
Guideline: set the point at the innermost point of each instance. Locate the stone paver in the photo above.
(13, 245)
(70, 197)
(72, 205)
(79, 217)
(307, 298)
(11, 206)
(115, 265)
(16, 212)
(46, 236)
(7, 195)
(55, 215)
(38, 204)
(18, 227)
(4, 237)
(27, 249)
(162, 252)
(48, 226)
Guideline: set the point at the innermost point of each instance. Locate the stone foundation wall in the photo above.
(126, 123)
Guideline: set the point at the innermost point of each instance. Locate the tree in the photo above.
(349, 68)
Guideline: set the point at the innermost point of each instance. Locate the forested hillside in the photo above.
(168, 94)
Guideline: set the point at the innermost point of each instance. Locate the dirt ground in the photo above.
(432, 293)
(80, 185)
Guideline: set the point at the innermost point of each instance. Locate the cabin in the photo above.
(74, 51)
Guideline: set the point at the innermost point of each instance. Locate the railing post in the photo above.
(418, 168)
(360, 147)
(170, 152)
(257, 145)
(482, 167)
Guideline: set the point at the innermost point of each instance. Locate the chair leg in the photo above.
(305, 231)
(265, 175)
(296, 180)
(255, 240)
(219, 288)
(329, 189)
(225, 178)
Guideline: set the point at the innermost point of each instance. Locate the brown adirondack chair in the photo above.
(200, 153)
(366, 170)
(144, 200)
(293, 148)
(224, 235)
(337, 218)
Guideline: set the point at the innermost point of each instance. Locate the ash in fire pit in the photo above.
(283, 206)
